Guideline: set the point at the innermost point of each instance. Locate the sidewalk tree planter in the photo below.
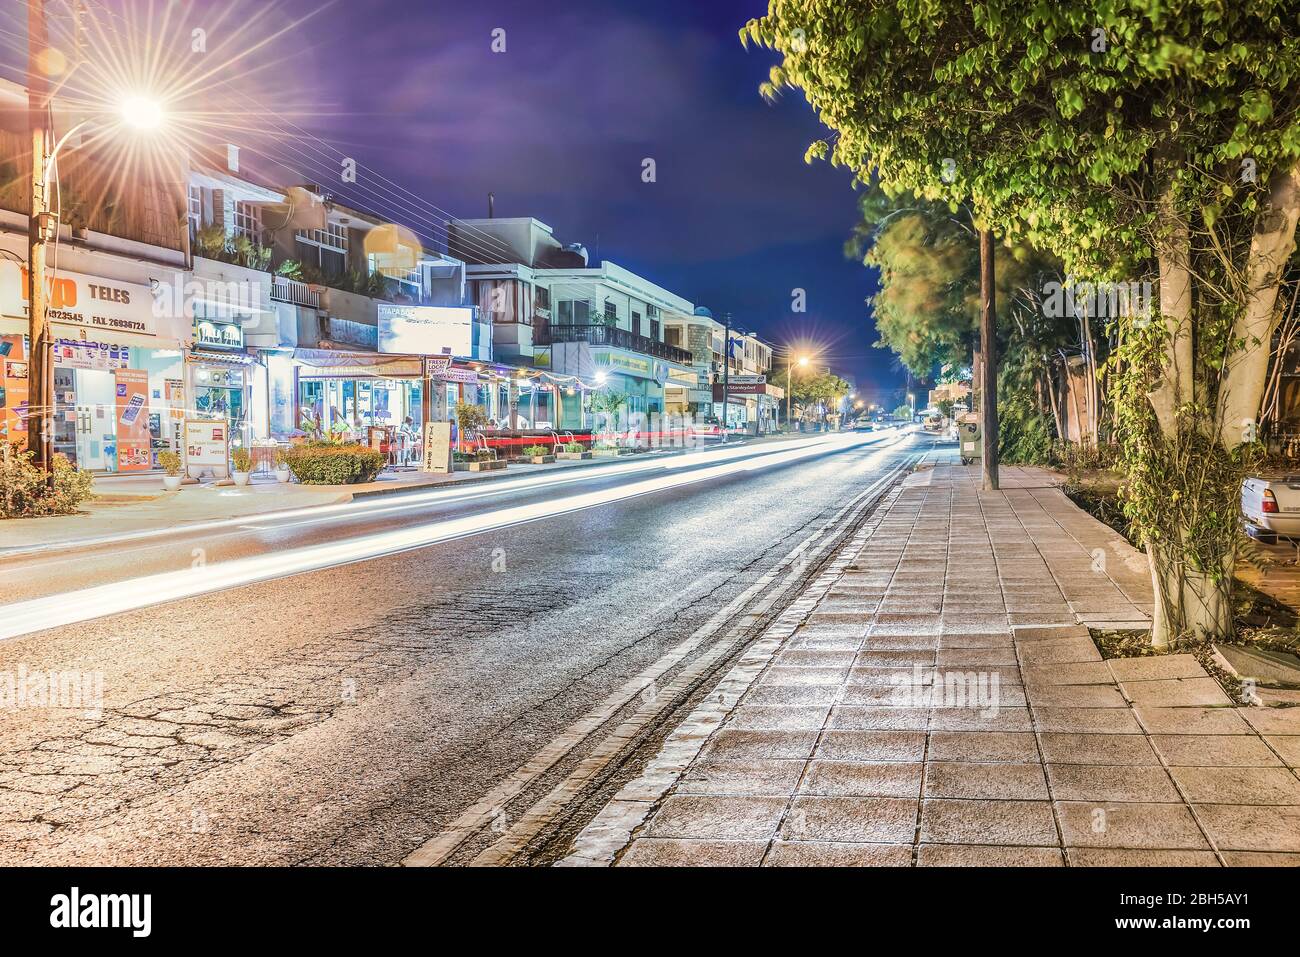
(241, 461)
(571, 450)
(331, 463)
(1164, 155)
(171, 464)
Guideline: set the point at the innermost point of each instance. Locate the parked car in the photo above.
(1270, 505)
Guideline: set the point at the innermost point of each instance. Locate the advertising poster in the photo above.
(13, 389)
(207, 447)
(131, 421)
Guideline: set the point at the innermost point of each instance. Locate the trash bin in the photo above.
(969, 437)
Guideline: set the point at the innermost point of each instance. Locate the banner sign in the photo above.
(427, 330)
(435, 367)
(132, 420)
(101, 356)
(207, 447)
(744, 388)
(460, 375)
(437, 447)
(80, 300)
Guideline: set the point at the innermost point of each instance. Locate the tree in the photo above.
(469, 418)
(904, 412)
(927, 308)
(1141, 141)
(813, 395)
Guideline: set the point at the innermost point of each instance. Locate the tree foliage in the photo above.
(1133, 139)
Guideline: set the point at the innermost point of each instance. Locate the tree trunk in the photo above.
(1270, 248)
(1188, 602)
(1176, 383)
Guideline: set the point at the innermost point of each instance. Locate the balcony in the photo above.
(288, 290)
(616, 338)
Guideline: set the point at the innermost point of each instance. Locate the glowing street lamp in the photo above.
(141, 113)
(789, 369)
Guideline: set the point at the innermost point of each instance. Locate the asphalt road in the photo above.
(348, 714)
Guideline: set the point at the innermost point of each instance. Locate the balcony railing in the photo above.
(284, 289)
(618, 338)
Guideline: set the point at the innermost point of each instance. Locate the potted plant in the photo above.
(571, 450)
(171, 464)
(485, 460)
(282, 473)
(242, 462)
(538, 454)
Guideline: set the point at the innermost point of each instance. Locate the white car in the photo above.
(1270, 505)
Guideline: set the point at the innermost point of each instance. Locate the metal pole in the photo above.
(989, 355)
(40, 411)
(726, 373)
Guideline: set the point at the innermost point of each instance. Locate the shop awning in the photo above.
(338, 364)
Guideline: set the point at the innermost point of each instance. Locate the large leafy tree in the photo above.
(1135, 139)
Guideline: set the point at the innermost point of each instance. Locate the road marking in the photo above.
(439, 848)
(50, 611)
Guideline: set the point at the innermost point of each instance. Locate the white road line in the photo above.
(50, 611)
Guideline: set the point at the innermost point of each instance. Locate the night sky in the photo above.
(557, 127)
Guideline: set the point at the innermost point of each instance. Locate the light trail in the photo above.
(51, 611)
(407, 501)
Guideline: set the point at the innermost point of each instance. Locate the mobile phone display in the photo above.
(132, 409)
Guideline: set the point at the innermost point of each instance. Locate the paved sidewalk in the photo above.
(934, 699)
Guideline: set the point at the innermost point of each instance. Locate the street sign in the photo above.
(435, 367)
(437, 447)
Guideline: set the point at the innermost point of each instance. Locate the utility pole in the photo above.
(40, 407)
(726, 373)
(989, 363)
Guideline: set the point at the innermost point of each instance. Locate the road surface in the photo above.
(355, 713)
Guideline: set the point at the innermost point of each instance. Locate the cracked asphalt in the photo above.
(347, 715)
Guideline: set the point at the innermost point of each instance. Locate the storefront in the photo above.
(118, 372)
(344, 394)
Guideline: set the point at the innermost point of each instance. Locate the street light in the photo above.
(789, 369)
(140, 112)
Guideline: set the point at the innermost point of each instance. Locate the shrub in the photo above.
(281, 459)
(484, 455)
(242, 459)
(329, 463)
(170, 461)
(26, 493)
(572, 447)
(536, 450)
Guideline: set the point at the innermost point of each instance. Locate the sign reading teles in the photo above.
(207, 447)
(80, 300)
(427, 330)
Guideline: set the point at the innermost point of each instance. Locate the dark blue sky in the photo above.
(557, 127)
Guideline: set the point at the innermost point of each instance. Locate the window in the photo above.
(636, 323)
(542, 297)
(326, 249)
(248, 221)
(611, 313)
(195, 211)
(654, 328)
(673, 336)
(573, 312)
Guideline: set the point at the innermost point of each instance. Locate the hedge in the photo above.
(26, 493)
(327, 463)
